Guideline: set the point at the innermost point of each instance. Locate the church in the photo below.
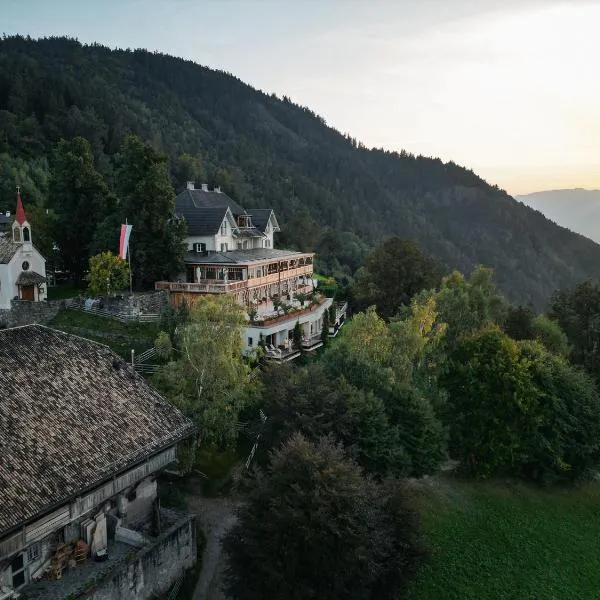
(22, 267)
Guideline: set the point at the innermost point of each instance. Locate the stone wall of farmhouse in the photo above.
(24, 312)
(153, 570)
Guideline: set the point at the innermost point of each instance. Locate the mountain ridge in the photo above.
(332, 193)
(577, 209)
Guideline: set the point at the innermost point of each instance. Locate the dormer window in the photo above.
(245, 221)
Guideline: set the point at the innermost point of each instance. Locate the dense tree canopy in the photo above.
(326, 406)
(78, 195)
(314, 527)
(514, 407)
(331, 194)
(577, 311)
(148, 202)
(392, 274)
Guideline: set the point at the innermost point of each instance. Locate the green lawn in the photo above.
(510, 541)
(121, 337)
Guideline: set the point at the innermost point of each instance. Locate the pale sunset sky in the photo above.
(508, 88)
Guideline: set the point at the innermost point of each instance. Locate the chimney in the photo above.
(205, 187)
(190, 185)
(217, 189)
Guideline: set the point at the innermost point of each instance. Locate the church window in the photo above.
(17, 234)
(25, 266)
(26, 236)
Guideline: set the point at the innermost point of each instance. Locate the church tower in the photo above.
(21, 228)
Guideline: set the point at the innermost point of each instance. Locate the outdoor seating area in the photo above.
(283, 352)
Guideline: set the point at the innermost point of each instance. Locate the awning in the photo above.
(30, 278)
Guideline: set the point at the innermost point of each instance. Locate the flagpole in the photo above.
(129, 259)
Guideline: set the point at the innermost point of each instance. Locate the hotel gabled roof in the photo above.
(72, 414)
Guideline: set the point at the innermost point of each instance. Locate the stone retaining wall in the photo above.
(155, 569)
(24, 312)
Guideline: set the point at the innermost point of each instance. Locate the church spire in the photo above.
(20, 226)
(20, 216)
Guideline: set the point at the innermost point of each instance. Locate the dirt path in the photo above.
(216, 517)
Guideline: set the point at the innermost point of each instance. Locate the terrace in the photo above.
(81, 580)
(269, 312)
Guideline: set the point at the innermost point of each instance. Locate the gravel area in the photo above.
(216, 517)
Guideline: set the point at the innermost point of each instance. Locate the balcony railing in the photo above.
(205, 286)
(268, 319)
(219, 286)
(312, 340)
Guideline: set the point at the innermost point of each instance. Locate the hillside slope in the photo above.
(331, 193)
(577, 210)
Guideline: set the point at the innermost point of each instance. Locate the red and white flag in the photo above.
(124, 241)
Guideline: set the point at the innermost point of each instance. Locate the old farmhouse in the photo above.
(82, 438)
(231, 251)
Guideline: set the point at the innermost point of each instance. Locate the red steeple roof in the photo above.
(20, 214)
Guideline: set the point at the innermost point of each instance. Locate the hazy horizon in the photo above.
(503, 88)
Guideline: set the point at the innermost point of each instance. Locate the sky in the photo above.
(508, 88)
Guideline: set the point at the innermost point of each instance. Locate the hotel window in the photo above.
(224, 247)
(223, 228)
(250, 341)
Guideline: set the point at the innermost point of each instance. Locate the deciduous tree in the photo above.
(108, 274)
(209, 376)
(314, 527)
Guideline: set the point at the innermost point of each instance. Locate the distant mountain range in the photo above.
(577, 209)
(331, 193)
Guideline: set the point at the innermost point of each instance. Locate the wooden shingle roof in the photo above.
(72, 413)
(8, 249)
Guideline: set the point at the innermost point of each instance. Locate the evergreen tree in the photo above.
(78, 195)
(148, 202)
(392, 274)
(297, 335)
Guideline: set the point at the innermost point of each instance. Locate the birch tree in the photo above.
(208, 379)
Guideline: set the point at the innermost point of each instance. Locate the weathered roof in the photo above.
(72, 413)
(241, 256)
(8, 249)
(30, 278)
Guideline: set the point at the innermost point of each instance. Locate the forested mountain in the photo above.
(331, 193)
(578, 209)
